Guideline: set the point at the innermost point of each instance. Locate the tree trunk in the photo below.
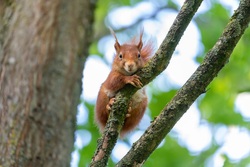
(43, 46)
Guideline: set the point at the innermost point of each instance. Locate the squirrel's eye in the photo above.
(139, 55)
(120, 56)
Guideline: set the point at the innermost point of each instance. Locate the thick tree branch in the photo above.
(214, 61)
(158, 64)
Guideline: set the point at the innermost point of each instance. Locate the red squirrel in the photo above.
(129, 58)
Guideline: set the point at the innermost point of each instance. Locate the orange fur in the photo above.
(129, 58)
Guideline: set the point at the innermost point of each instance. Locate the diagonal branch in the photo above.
(214, 61)
(158, 64)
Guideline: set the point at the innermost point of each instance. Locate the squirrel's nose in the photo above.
(130, 67)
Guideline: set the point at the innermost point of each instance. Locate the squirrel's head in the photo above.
(128, 57)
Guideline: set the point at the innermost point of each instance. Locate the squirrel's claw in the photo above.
(135, 81)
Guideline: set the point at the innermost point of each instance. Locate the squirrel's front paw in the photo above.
(135, 81)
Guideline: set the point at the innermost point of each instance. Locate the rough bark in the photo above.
(158, 63)
(43, 46)
(214, 61)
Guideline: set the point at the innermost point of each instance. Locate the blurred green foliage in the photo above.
(216, 106)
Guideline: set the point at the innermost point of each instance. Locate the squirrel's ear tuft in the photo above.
(117, 45)
(140, 44)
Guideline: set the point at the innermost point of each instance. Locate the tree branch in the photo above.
(214, 61)
(158, 64)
